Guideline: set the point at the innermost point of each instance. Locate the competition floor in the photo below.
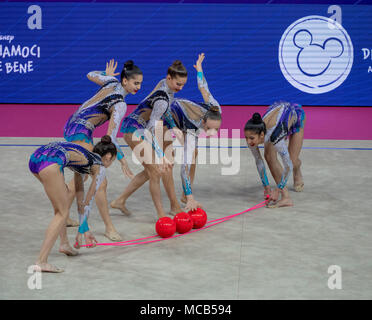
(264, 254)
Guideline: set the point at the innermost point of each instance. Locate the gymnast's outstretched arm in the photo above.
(188, 159)
(102, 77)
(84, 207)
(202, 83)
(260, 164)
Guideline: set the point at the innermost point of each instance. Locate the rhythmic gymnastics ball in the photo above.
(183, 222)
(199, 218)
(165, 227)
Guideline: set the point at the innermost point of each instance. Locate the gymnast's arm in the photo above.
(102, 77)
(168, 118)
(203, 85)
(159, 109)
(79, 192)
(119, 110)
(188, 159)
(98, 176)
(260, 164)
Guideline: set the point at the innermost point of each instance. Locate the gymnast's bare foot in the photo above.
(71, 223)
(67, 250)
(116, 204)
(174, 209)
(286, 202)
(298, 181)
(113, 235)
(183, 199)
(174, 212)
(46, 267)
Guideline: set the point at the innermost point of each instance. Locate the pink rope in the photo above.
(208, 225)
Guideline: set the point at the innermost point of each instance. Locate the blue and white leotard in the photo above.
(148, 112)
(108, 103)
(72, 156)
(66, 154)
(187, 116)
(282, 119)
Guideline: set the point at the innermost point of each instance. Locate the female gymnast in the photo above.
(281, 120)
(47, 164)
(108, 104)
(143, 125)
(188, 117)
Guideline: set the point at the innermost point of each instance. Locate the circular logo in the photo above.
(315, 54)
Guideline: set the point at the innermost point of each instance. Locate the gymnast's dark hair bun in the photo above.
(256, 118)
(130, 70)
(105, 146)
(177, 69)
(177, 64)
(255, 124)
(128, 65)
(213, 113)
(214, 109)
(106, 139)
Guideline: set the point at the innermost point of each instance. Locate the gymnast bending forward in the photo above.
(141, 133)
(47, 164)
(192, 118)
(187, 117)
(282, 120)
(108, 104)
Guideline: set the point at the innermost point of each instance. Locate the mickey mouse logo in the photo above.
(313, 57)
(330, 50)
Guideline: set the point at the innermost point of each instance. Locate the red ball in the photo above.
(183, 222)
(199, 218)
(165, 227)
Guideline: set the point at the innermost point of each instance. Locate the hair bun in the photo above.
(256, 118)
(177, 69)
(214, 109)
(129, 64)
(130, 70)
(106, 139)
(177, 63)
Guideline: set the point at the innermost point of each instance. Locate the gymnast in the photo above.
(141, 129)
(47, 164)
(108, 104)
(281, 120)
(188, 117)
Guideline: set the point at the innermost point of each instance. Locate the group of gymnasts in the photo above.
(174, 118)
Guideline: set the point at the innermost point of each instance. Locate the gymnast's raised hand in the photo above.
(111, 67)
(198, 64)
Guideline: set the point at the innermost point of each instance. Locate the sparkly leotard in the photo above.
(72, 156)
(66, 154)
(107, 103)
(187, 116)
(148, 112)
(282, 120)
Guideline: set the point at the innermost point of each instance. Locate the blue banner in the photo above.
(255, 53)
